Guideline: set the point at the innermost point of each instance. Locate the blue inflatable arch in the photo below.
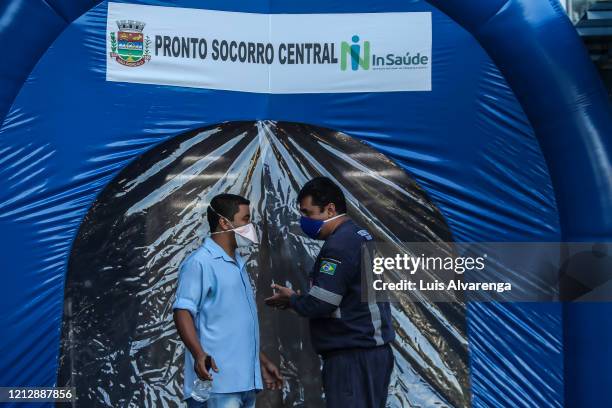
(515, 99)
(537, 49)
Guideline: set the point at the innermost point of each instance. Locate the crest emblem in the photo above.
(129, 46)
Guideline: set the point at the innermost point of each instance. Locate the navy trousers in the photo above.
(357, 378)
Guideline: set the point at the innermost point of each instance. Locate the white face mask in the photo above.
(245, 235)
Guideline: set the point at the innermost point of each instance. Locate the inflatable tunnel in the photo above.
(442, 120)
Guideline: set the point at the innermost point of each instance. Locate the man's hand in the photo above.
(202, 365)
(272, 377)
(281, 297)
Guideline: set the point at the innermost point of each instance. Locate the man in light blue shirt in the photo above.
(216, 315)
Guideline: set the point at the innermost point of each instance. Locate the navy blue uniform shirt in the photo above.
(338, 317)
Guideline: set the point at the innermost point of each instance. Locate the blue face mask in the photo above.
(312, 227)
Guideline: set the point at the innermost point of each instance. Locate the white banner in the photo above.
(269, 53)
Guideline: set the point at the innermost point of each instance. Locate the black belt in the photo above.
(327, 354)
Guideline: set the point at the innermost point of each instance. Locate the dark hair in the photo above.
(226, 205)
(323, 191)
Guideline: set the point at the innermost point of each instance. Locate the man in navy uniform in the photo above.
(351, 336)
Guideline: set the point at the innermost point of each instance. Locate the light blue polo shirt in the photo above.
(217, 291)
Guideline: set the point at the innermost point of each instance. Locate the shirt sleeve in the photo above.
(329, 286)
(192, 286)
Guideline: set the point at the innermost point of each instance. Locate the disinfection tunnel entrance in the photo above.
(119, 344)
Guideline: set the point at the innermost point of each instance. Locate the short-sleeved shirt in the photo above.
(339, 319)
(217, 291)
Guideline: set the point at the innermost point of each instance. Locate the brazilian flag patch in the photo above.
(328, 267)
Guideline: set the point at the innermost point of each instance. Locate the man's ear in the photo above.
(330, 209)
(224, 224)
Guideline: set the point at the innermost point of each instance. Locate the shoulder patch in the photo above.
(365, 234)
(328, 267)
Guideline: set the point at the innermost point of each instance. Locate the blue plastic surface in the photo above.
(552, 76)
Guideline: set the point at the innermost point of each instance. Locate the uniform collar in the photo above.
(217, 252)
(339, 227)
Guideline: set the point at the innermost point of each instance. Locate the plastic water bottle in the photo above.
(201, 390)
